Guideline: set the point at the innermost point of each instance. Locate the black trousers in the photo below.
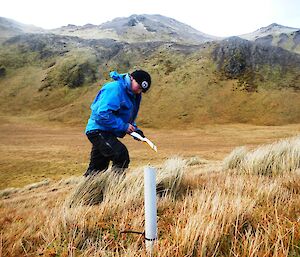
(105, 148)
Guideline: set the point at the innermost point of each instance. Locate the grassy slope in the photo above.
(186, 91)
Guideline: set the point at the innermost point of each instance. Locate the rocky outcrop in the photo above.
(283, 39)
(267, 40)
(252, 63)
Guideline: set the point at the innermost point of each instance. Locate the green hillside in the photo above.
(47, 77)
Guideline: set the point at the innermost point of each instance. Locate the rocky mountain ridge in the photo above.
(150, 28)
(273, 28)
(139, 28)
(276, 35)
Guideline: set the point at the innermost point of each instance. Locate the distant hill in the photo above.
(10, 28)
(155, 28)
(276, 35)
(133, 29)
(53, 77)
(139, 28)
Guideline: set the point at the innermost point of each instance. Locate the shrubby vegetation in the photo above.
(70, 73)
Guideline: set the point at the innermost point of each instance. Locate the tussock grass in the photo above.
(113, 188)
(37, 185)
(221, 214)
(277, 158)
(8, 191)
(70, 181)
(169, 177)
(234, 159)
(195, 160)
(90, 190)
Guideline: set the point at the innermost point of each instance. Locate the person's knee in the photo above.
(121, 159)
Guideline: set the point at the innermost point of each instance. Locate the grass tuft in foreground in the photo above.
(110, 187)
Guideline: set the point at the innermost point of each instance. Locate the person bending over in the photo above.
(113, 114)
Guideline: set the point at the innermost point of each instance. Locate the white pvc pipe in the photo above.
(150, 208)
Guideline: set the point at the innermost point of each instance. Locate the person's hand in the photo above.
(130, 129)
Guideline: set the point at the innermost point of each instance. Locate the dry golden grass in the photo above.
(211, 213)
(31, 152)
(203, 210)
(279, 157)
(110, 187)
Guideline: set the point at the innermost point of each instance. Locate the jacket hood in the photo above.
(123, 78)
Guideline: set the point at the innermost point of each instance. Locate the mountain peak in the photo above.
(9, 28)
(140, 28)
(275, 27)
(277, 35)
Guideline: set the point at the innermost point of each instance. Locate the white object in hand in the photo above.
(144, 139)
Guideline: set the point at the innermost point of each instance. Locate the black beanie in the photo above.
(142, 78)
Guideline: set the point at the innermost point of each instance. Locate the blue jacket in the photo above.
(115, 106)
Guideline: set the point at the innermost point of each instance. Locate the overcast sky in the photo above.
(214, 17)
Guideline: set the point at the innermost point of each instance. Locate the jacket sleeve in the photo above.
(104, 110)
